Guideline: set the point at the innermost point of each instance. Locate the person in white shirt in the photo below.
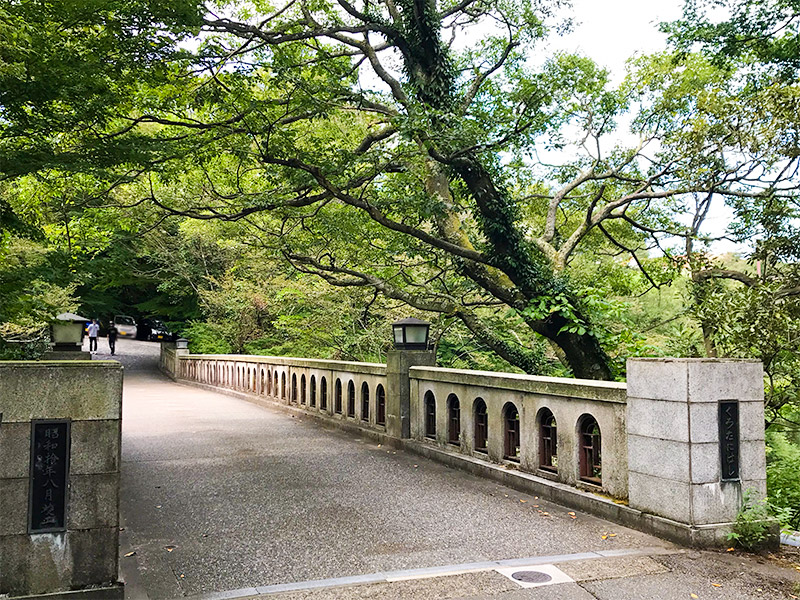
(93, 330)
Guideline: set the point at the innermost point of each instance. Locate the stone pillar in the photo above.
(59, 477)
(690, 457)
(398, 388)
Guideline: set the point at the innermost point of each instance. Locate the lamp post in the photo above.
(411, 334)
(410, 337)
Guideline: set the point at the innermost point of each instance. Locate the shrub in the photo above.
(207, 338)
(754, 523)
(783, 476)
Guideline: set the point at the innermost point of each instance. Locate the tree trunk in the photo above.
(583, 352)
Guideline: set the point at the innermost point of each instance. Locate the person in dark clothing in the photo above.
(112, 338)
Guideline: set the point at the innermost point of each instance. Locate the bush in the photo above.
(754, 522)
(207, 338)
(783, 477)
(25, 350)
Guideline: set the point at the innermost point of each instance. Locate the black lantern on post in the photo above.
(411, 334)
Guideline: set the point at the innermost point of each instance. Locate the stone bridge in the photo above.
(235, 487)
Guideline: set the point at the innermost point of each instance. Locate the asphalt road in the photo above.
(219, 494)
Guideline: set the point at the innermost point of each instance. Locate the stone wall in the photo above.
(88, 394)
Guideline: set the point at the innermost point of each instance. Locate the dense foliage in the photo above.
(290, 179)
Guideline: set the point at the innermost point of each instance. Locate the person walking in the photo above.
(112, 338)
(93, 330)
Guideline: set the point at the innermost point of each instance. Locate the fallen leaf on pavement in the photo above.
(694, 595)
(604, 537)
(131, 553)
(730, 549)
(717, 584)
(169, 548)
(571, 514)
(523, 501)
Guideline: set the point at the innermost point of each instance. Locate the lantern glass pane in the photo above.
(398, 335)
(416, 334)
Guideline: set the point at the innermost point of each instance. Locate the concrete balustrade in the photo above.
(569, 400)
(572, 441)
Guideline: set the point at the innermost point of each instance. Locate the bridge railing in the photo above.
(680, 442)
(339, 389)
(568, 430)
(525, 422)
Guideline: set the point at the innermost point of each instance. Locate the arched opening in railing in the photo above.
(511, 432)
(323, 394)
(481, 426)
(589, 460)
(351, 399)
(312, 401)
(283, 386)
(380, 405)
(453, 420)
(548, 441)
(365, 401)
(430, 415)
(294, 387)
(302, 389)
(337, 397)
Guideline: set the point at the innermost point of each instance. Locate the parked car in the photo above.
(153, 330)
(126, 326)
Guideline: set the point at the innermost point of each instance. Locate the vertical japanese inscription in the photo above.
(729, 439)
(49, 476)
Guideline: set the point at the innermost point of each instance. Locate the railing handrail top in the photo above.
(609, 391)
(263, 358)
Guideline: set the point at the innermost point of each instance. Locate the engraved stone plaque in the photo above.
(49, 476)
(729, 439)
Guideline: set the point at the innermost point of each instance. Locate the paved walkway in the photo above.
(222, 498)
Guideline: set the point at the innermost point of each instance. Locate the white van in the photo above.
(126, 326)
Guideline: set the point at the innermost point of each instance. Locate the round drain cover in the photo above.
(531, 576)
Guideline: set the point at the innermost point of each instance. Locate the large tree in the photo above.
(412, 147)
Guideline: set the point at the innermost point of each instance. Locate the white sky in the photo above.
(611, 31)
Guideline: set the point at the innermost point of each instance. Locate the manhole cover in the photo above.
(531, 576)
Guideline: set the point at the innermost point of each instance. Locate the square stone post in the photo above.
(59, 527)
(398, 388)
(695, 442)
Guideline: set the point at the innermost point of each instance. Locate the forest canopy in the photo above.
(257, 169)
